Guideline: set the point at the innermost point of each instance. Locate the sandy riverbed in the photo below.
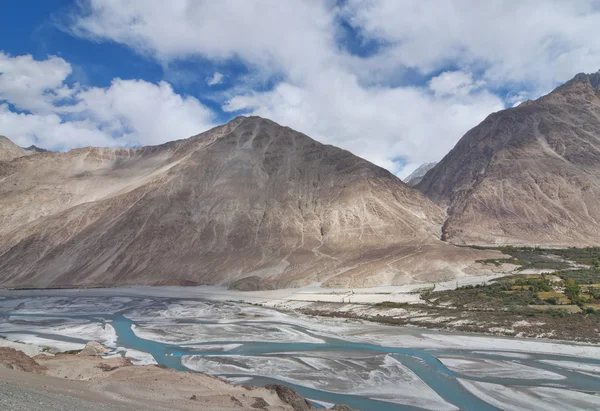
(189, 320)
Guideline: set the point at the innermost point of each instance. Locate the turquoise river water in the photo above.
(345, 365)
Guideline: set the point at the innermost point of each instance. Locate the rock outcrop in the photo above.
(290, 396)
(528, 175)
(93, 348)
(18, 360)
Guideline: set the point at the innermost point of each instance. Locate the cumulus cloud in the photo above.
(276, 35)
(454, 83)
(50, 131)
(143, 112)
(539, 42)
(55, 115)
(215, 79)
(515, 99)
(476, 57)
(33, 85)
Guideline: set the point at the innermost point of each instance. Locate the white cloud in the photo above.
(33, 85)
(143, 112)
(128, 112)
(277, 35)
(515, 99)
(540, 42)
(355, 102)
(454, 83)
(215, 79)
(49, 131)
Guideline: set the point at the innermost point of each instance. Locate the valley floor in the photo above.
(360, 363)
(412, 305)
(529, 292)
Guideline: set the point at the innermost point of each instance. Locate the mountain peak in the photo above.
(255, 120)
(593, 79)
(247, 120)
(35, 149)
(416, 176)
(9, 150)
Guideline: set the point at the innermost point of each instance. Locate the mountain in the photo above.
(9, 150)
(526, 175)
(250, 204)
(416, 176)
(35, 149)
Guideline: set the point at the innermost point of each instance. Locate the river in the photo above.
(366, 366)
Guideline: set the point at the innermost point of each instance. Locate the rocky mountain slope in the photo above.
(527, 175)
(251, 204)
(416, 176)
(9, 150)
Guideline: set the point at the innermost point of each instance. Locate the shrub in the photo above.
(558, 313)
(391, 304)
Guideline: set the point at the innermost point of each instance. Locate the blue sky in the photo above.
(28, 27)
(395, 82)
(35, 27)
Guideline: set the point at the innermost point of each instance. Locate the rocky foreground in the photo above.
(86, 381)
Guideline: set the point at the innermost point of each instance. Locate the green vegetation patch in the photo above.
(71, 352)
(580, 286)
(390, 304)
(581, 276)
(566, 309)
(563, 303)
(494, 296)
(546, 258)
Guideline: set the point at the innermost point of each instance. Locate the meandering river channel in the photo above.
(367, 366)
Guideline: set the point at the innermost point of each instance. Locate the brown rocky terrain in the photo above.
(528, 175)
(250, 204)
(67, 381)
(13, 359)
(9, 150)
